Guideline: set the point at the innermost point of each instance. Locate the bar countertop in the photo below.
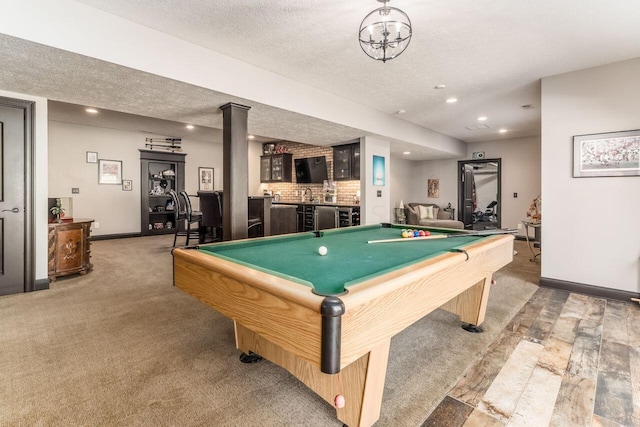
(337, 205)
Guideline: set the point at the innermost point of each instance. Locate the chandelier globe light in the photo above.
(385, 32)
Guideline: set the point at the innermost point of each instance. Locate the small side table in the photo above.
(452, 211)
(401, 217)
(535, 243)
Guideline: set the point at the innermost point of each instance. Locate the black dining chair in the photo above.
(256, 213)
(179, 216)
(214, 216)
(190, 217)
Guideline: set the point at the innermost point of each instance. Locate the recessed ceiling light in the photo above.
(502, 131)
(452, 100)
(251, 137)
(482, 118)
(400, 112)
(439, 87)
(189, 126)
(91, 110)
(406, 153)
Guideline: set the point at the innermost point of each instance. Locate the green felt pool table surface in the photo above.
(350, 259)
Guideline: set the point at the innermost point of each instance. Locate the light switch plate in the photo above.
(75, 190)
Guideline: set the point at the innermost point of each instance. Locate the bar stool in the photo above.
(191, 217)
(179, 216)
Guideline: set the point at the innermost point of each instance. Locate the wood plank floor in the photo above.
(564, 360)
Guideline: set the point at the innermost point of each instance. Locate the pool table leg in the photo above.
(361, 382)
(471, 305)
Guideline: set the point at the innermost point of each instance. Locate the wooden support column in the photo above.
(235, 166)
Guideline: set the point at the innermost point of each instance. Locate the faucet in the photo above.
(310, 194)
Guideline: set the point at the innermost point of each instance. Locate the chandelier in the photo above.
(385, 33)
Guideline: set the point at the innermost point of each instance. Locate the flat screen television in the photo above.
(311, 170)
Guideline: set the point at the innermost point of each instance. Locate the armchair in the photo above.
(431, 215)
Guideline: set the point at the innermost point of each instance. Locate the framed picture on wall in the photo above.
(378, 171)
(109, 171)
(92, 157)
(607, 154)
(205, 179)
(433, 188)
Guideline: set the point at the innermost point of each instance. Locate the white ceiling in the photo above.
(490, 54)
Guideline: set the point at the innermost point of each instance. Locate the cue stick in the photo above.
(407, 239)
(444, 236)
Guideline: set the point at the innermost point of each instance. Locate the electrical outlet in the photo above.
(519, 226)
(96, 224)
(75, 190)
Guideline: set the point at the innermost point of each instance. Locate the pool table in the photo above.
(329, 319)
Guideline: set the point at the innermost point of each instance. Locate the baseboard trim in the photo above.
(581, 288)
(41, 284)
(116, 236)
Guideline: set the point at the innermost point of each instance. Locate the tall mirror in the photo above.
(479, 198)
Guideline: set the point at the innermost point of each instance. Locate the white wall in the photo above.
(40, 167)
(520, 165)
(520, 174)
(117, 211)
(443, 170)
(591, 232)
(255, 151)
(401, 182)
(376, 209)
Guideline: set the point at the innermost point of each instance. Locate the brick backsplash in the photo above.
(346, 190)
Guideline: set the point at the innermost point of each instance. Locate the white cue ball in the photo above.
(322, 250)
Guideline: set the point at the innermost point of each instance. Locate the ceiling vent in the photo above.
(527, 107)
(479, 126)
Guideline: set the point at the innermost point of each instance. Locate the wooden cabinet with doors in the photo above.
(160, 172)
(276, 167)
(346, 162)
(69, 248)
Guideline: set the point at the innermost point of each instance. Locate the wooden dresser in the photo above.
(69, 248)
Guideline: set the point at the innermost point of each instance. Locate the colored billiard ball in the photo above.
(421, 233)
(427, 233)
(416, 233)
(322, 250)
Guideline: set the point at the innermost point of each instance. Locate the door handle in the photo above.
(14, 210)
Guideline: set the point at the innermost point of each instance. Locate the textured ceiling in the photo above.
(491, 55)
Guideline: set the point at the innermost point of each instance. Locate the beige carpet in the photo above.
(121, 346)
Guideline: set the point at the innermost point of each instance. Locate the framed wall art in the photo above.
(378, 171)
(109, 171)
(607, 154)
(205, 179)
(433, 188)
